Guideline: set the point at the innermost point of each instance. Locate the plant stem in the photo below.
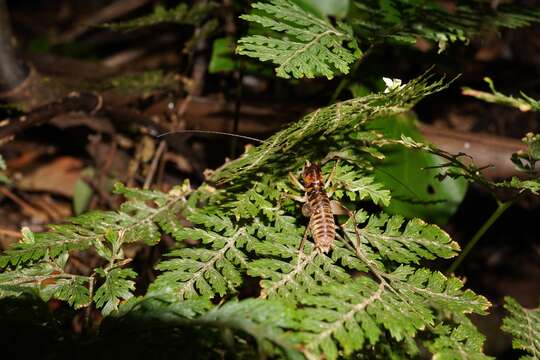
(501, 208)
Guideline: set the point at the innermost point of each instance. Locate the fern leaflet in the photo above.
(303, 44)
(524, 325)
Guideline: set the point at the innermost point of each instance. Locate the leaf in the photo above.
(222, 56)
(181, 14)
(117, 286)
(532, 186)
(82, 194)
(457, 341)
(407, 241)
(202, 272)
(524, 325)
(73, 290)
(47, 280)
(403, 21)
(200, 325)
(343, 116)
(336, 8)
(416, 192)
(524, 103)
(138, 219)
(303, 44)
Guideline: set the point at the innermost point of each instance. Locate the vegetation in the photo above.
(235, 281)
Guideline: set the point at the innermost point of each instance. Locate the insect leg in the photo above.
(331, 176)
(296, 182)
(301, 247)
(339, 209)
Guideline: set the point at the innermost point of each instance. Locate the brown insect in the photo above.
(319, 208)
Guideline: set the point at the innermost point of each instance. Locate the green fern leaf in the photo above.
(307, 45)
(409, 243)
(73, 290)
(47, 280)
(523, 103)
(524, 325)
(137, 220)
(205, 271)
(264, 321)
(457, 341)
(349, 114)
(181, 14)
(117, 286)
(348, 317)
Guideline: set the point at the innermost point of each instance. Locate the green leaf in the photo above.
(410, 241)
(324, 8)
(339, 117)
(181, 14)
(117, 286)
(73, 290)
(222, 56)
(403, 21)
(138, 219)
(303, 44)
(457, 341)
(416, 192)
(82, 194)
(523, 103)
(524, 325)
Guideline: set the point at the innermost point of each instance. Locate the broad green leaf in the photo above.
(222, 56)
(83, 192)
(416, 192)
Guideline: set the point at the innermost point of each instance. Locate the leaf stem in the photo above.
(501, 208)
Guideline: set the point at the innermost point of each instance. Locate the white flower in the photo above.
(392, 84)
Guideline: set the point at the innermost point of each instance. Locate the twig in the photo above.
(501, 208)
(25, 206)
(114, 10)
(10, 233)
(154, 164)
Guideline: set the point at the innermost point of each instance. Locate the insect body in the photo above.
(318, 208)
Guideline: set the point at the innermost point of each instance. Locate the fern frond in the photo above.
(461, 341)
(436, 290)
(348, 114)
(405, 242)
(199, 324)
(303, 44)
(118, 285)
(524, 325)
(215, 269)
(404, 21)
(348, 316)
(532, 186)
(48, 280)
(455, 167)
(348, 182)
(182, 14)
(523, 103)
(137, 220)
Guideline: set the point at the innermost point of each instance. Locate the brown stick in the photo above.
(108, 13)
(483, 148)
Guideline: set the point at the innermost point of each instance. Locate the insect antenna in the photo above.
(211, 132)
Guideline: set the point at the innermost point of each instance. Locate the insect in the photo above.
(317, 205)
(319, 208)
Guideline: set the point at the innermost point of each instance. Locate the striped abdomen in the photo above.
(322, 224)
